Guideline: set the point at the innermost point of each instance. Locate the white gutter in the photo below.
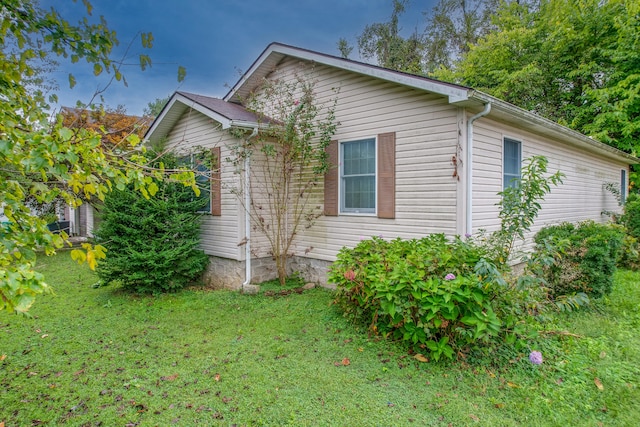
(469, 216)
(247, 212)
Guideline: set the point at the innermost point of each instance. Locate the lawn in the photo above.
(98, 357)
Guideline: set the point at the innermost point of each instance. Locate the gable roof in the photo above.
(226, 113)
(458, 95)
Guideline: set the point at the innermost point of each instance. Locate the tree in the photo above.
(573, 62)
(154, 108)
(152, 243)
(383, 42)
(48, 160)
(453, 26)
(292, 161)
(114, 124)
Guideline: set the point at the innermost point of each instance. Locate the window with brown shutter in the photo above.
(350, 183)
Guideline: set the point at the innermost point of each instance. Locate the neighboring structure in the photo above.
(436, 155)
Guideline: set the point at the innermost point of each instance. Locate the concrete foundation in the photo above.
(224, 273)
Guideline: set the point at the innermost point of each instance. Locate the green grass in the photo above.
(97, 357)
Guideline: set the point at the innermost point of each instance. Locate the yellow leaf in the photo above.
(598, 384)
(91, 260)
(512, 385)
(78, 255)
(420, 358)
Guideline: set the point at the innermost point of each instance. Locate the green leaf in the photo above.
(182, 74)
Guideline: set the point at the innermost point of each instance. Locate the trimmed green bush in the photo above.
(584, 257)
(152, 244)
(422, 291)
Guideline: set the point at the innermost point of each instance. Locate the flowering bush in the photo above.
(421, 291)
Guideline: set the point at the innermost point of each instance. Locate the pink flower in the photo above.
(450, 276)
(296, 102)
(350, 275)
(535, 357)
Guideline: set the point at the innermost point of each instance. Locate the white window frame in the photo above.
(519, 142)
(341, 190)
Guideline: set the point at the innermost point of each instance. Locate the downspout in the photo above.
(469, 213)
(247, 213)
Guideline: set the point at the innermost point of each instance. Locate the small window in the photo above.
(203, 181)
(203, 177)
(511, 163)
(623, 186)
(358, 176)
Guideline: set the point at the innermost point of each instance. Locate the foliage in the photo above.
(520, 204)
(631, 216)
(48, 161)
(424, 292)
(113, 124)
(382, 41)
(584, 257)
(152, 243)
(154, 108)
(575, 63)
(452, 27)
(291, 145)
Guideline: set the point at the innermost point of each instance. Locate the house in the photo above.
(113, 125)
(441, 153)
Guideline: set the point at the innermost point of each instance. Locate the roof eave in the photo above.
(552, 128)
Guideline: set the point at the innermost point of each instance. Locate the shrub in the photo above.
(422, 291)
(631, 216)
(629, 256)
(151, 243)
(584, 257)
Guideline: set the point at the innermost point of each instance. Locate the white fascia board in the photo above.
(224, 121)
(158, 120)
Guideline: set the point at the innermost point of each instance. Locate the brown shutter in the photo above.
(216, 183)
(387, 175)
(331, 179)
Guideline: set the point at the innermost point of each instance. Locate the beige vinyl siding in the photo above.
(426, 131)
(220, 234)
(581, 196)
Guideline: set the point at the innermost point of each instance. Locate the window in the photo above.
(623, 185)
(511, 159)
(358, 176)
(203, 181)
(207, 178)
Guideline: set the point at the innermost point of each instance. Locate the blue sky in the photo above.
(214, 40)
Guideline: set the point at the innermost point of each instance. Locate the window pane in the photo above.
(359, 193)
(358, 176)
(511, 162)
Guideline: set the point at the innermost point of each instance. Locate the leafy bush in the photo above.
(151, 243)
(631, 216)
(629, 256)
(422, 291)
(584, 257)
